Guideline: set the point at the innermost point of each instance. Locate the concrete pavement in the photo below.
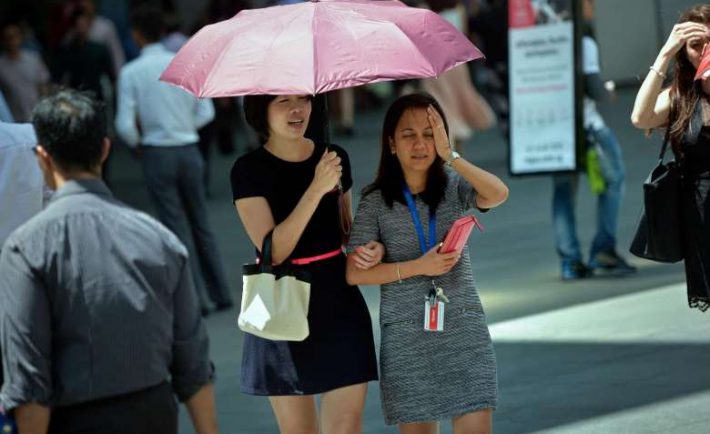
(636, 363)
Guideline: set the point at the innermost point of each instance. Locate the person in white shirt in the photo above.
(167, 144)
(603, 258)
(21, 183)
(5, 113)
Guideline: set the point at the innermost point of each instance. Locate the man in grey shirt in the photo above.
(99, 318)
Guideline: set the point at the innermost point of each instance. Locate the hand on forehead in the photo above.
(414, 118)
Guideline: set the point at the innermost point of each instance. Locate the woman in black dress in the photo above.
(290, 185)
(684, 108)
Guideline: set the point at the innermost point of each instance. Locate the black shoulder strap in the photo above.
(664, 147)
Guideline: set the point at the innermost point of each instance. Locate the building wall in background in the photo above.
(630, 33)
(670, 12)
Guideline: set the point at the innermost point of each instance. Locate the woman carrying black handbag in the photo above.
(684, 108)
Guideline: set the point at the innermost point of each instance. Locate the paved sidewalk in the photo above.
(636, 363)
(631, 364)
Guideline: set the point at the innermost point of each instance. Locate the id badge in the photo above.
(434, 316)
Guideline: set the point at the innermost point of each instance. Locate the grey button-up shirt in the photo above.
(96, 300)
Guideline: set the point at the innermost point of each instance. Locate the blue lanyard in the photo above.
(423, 245)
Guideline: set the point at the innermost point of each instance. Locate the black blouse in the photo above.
(283, 183)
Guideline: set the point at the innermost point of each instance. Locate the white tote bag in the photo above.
(274, 299)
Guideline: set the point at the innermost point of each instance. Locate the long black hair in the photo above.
(390, 177)
(685, 91)
(256, 112)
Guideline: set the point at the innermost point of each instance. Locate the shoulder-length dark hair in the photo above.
(685, 92)
(256, 113)
(390, 177)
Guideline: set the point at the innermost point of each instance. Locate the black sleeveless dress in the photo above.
(340, 349)
(696, 210)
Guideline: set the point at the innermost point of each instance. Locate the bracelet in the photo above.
(658, 72)
(399, 276)
(453, 156)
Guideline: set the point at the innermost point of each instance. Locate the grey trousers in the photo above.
(149, 411)
(174, 177)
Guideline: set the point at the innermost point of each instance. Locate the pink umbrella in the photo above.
(317, 46)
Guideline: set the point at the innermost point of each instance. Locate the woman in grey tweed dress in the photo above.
(426, 376)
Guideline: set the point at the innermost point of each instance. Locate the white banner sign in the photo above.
(542, 105)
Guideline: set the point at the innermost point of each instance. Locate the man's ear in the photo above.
(43, 158)
(105, 149)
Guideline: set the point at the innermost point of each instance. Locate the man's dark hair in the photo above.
(71, 126)
(149, 21)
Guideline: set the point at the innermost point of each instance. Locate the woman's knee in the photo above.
(479, 422)
(474, 430)
(419, 428)
(295, 415)
(343, 423)
(298, 427)
(341, 409)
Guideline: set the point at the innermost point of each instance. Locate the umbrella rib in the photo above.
(233, 39)
(421, 55)
(208, 80)
(315, 49)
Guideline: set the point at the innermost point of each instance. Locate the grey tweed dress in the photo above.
(427, 376)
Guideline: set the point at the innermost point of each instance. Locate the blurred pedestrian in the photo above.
(289, 186)
(601, 140)
(173, 168)
(173, 40)
(174, 37)
(100, 321)
(346, 112)
(466, 110)
(81, 63)
(422, 187)
(103, 31)
(489, 29)
(21, 184)
(684, 108)
(23, 75)
(21, 189)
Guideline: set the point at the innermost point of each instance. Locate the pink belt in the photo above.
(311, 259)
(323, 257)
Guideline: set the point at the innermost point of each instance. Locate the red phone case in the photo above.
(457, 236)
(704, 67)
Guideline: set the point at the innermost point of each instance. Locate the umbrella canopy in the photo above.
(315, 47)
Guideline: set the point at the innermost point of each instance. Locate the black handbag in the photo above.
(659, 234)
